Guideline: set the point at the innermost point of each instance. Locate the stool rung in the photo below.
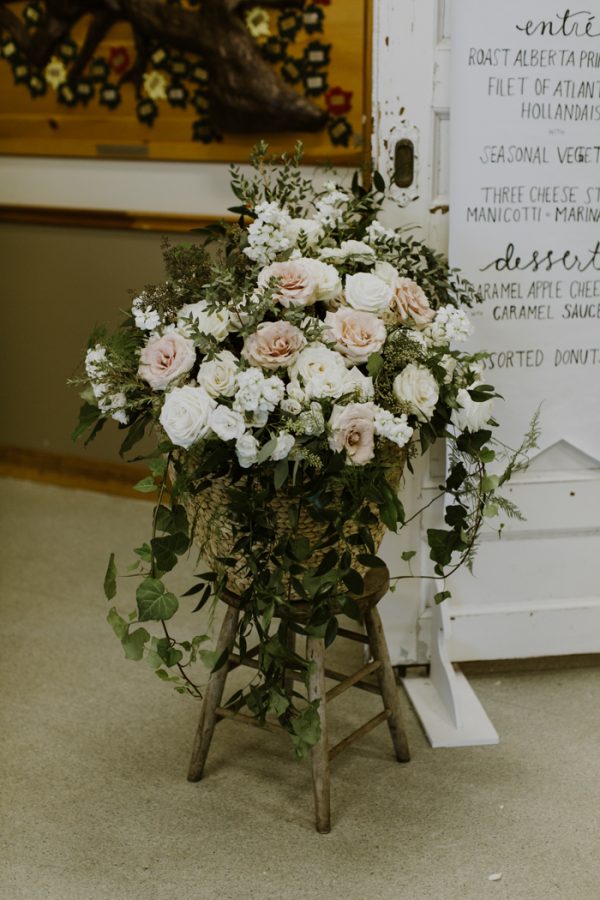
(353, 635)
(360, 732)
(351, 680)
(223, 713)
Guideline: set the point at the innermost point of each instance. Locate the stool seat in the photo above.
(376, 583)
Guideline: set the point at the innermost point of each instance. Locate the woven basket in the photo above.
(215, 535)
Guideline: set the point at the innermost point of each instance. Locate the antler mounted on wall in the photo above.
(246, 94)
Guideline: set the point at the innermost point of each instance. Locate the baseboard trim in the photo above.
(68, 471)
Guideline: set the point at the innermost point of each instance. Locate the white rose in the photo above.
(356, 334)
(358, 250)
(417, 387)
(368, 293)
(363, 384)
(311, 228)
(213, 323)
(246, 448)
(328, 281)
(227, 424)
(295, 391)
(471, 416)
(316, 360)
(291, 406)
(285, 442)
(185, 415)
(217, 376)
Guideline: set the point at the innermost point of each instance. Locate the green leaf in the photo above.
(306, 729)
(350, 608)
(280, 473)
(490, 510)
(134, 643)
(489, 483)
(441, 596)
(110, 579)
(331, 631)
(88, 415)
(118, 624)
(278, 702)
(144, 552)
(300, 548)
(158, 466)
(378, 182)
(374, 364)
(169, 655)
(134, 434)
(371, 561)
(265, 452)
(408, 555)
(455, 515)
(154, 602)
(354, 582)
(146, 485)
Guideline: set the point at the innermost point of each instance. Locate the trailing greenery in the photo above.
(360, 376)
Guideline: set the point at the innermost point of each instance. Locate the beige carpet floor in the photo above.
(94, 749)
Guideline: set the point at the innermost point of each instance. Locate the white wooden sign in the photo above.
(525, 205)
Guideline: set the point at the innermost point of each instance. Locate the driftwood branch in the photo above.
(246, 93)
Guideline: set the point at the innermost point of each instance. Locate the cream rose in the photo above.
(296, 286)
(285, 442)
(417, 387)
(409, 300)
(185, 415)
(165, 358)
(471, 416)
(273, 344)
(246, 448)
(353, 430)
(368, 293)
(329, 283)
(216, 323)
(217, 376)
(360, 251)
(356, 334)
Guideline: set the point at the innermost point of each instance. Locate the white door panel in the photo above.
(535, 591)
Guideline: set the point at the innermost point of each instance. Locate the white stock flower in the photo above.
(330, 207)
(213, 323)
(94, 358)
(185, 415)
(272, 392)
(394, 428)
(471, 416)
(249, 390)
(368, 293)
(114, 405)
(356, 334)
(227, 424)
(450, 324)
(246, 448)
(268, 233)
(417, 387)
(327, 279)
(449, 363)
(376, 232)
(217, 376)
(146, 318)
(285, 442)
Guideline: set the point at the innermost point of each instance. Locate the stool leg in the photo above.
(212, 697)
(387, 684)
(315, 651)
(290, 640)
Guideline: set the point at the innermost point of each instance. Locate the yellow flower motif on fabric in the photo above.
(55, 73)
(155, 85)
(258, 22)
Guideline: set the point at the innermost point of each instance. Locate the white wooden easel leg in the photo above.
(445, 702)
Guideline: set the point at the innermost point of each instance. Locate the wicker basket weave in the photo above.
(215, 532)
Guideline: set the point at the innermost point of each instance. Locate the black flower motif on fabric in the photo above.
(162, 74)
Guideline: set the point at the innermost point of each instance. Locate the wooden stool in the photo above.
(376, 585)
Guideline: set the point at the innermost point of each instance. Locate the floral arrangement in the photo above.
(293, 362)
